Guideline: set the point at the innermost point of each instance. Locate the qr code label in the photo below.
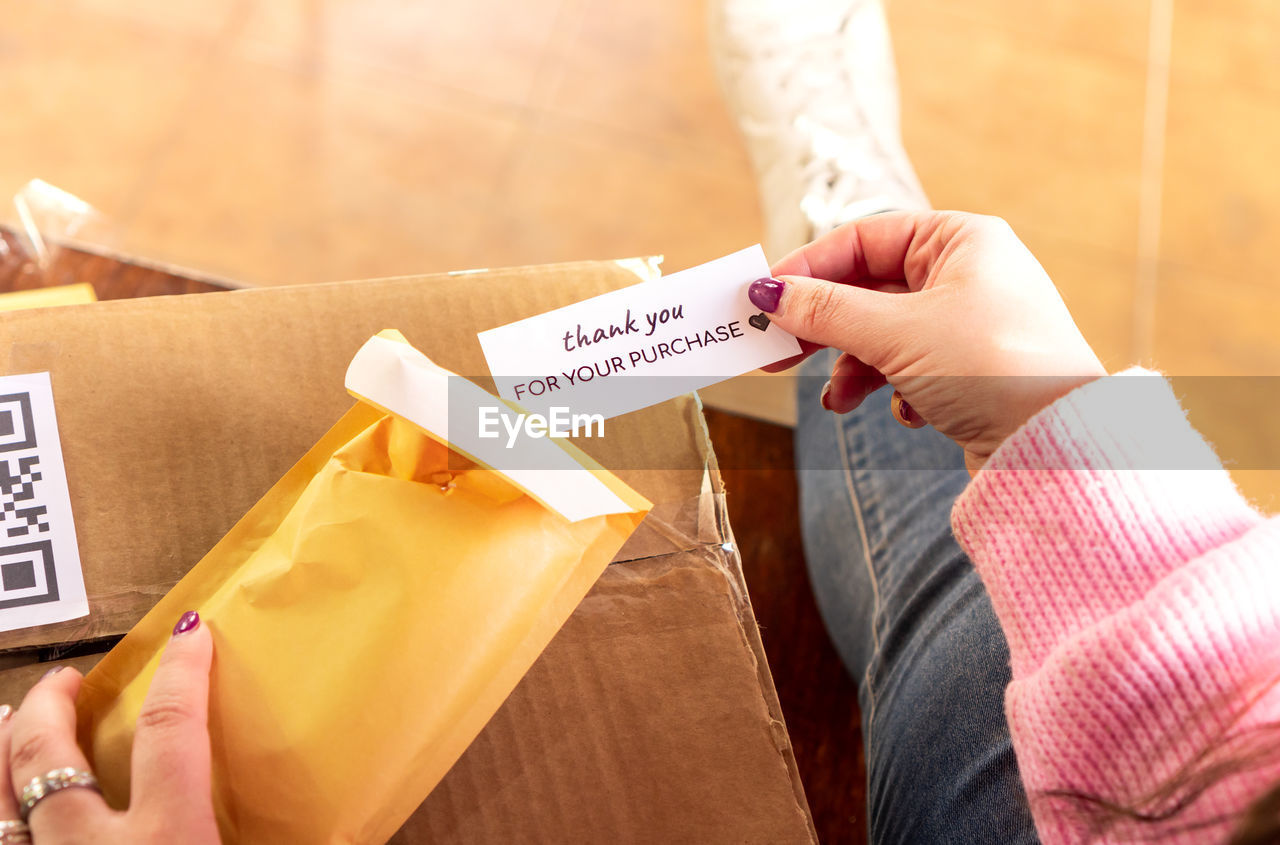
(40, 577)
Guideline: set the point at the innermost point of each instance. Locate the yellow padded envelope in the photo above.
(372, 611)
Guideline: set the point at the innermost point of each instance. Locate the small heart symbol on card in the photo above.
(759, 321)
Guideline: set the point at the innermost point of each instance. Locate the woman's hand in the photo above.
(171, 792)
(949, 308)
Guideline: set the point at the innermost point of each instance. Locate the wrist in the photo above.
(1032, 396)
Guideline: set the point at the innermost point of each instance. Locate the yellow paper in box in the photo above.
(78, 294)
(371, 612)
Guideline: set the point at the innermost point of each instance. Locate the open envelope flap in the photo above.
(391, 375)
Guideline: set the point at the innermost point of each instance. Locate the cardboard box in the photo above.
(650, 717)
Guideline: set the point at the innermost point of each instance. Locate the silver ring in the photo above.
(41, 787)
(14, 832)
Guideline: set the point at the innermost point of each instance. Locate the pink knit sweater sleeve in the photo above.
(1140, 595)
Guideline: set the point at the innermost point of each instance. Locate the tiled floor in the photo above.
(1130, 144)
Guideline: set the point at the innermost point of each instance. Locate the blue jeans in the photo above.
(912, 621)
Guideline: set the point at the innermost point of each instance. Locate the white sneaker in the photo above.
(813, 88)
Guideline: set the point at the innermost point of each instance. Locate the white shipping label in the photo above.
(40, 577)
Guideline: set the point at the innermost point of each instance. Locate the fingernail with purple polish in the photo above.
(55, 670)
(189, 621)
(765, 294)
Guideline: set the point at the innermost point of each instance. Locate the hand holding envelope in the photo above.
(369, 614)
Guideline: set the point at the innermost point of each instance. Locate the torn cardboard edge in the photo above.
(712, 536)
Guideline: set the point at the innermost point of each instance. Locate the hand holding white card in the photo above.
(641, 345)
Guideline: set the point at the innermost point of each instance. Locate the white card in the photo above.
(641, 345)
(40, 578)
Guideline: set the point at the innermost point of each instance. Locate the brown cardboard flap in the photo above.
(177, 413)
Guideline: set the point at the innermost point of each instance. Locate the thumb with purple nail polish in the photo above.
(948, 308)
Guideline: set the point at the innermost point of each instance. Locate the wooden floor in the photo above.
(1129, 142)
